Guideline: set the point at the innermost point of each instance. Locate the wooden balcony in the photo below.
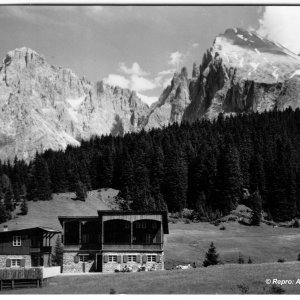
(137, 247)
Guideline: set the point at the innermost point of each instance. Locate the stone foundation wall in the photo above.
(112, 266)
(3, 259)
(70, 266)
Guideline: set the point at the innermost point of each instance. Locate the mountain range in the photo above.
(44, 106)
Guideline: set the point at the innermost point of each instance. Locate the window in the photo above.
(144, 225)
(132, 258)
(16, 262)
(149, 238)
(138, 225)
(16, 240)
(154, 225)
(112, 258)
(151, 258)
(83, 257)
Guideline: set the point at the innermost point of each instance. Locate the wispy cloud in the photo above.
(176, 59)
(135, 69)
(281, 24)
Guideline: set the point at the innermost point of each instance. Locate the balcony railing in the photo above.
(128, 246)
(43, 249)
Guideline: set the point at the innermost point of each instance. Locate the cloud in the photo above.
(281, 24)
(117, 80)
(166, 72)
(195, 45)
(167, 82)
(176, 58)
(147, 99)
(134, 70)
(140, 84)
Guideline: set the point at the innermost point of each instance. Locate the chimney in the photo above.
(5, 228)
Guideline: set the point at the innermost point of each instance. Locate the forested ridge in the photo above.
(205, 166)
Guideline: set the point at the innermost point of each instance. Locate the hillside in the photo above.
(45, 213)
(212, 280)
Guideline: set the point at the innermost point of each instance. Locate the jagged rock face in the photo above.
(171, 104)
(244, 72)
(43, 106)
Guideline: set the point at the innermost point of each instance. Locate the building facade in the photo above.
(114, 241)
(29, 247)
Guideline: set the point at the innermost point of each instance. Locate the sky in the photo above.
(136, 47)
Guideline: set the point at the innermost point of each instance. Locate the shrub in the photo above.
(241, 259)
(187, 213)
(187, 221)
(249, 260)
(275, 289)
(112, 291)
(281, 260)
(298, 258)
(243, 288)
(222, 227)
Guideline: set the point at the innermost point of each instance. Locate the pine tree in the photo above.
(81, 193)
(256, 209)
(24, 207)
(211, 257)
(9, 200)
(4, 215)
(241, 259)
(57, 256)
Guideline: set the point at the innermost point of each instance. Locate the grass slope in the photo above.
(188, 243)
(222, 279)
(44, 213)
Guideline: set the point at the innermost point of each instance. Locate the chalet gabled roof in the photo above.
(45, 229)
(81, 218)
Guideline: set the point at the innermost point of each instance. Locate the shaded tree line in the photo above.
(203, 166)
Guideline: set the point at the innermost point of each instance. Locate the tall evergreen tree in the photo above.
(211, 256)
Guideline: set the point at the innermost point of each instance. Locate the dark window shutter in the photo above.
(76, 259)
(105, 257)
(62, 238)
(119, 258)
(144, 258)
(23, 263)
(138, 258)
(8, 263)
(157, 258)
(125, 258)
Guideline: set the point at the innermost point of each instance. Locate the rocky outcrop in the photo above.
(244, 72)
(171, 104)
(43, 106)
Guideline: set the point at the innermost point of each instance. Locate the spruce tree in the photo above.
(57, 257)
(4, 215)
(241, 259)
(9, 200)
(24, 207)
(80, 191)
(211, 256)
(256, 209)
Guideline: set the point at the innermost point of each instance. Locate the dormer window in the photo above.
(16, 241)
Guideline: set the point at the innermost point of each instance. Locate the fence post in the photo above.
(1, 285)
(12, 284)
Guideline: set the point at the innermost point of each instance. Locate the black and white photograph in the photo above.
(149, 148)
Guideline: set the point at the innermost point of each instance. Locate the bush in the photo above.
(249, 260)
(241, 259)
(187, 221)
(222, 227)
(281, 260)
(275, 289)
(243, 288)
(187, 213)
(298, 258)
(112, 291)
